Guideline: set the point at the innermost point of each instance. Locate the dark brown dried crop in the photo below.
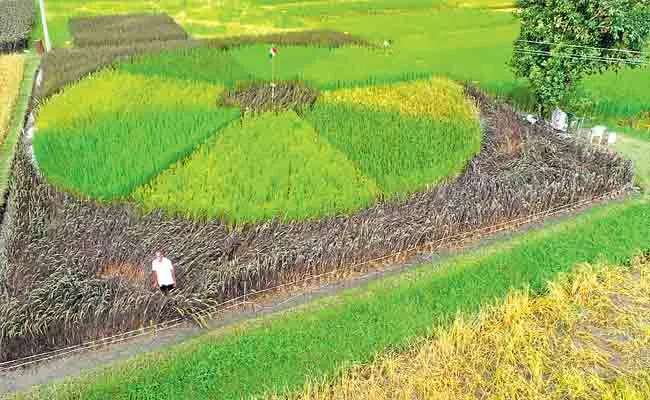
(261, 96)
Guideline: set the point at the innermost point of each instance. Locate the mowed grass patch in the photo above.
(323, 338)
(114, 132)
(516, 350)
(404, 136)
(267, 166)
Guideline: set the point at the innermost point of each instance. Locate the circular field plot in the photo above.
(164, 143)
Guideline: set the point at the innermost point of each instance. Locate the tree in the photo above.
(563, 41)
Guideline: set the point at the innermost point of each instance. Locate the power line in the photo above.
(640, 53)
(583, 58)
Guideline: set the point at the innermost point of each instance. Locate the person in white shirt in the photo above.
(163, 273)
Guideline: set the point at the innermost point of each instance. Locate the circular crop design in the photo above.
(185, 146)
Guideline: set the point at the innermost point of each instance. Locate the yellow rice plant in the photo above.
(588, 338)
(11, 74)
(437, 98)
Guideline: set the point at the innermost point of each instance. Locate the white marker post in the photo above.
(46, 33)
(272, 53)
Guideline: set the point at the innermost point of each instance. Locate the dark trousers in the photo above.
(166, 288)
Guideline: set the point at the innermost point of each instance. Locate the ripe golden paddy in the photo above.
(586, 339)
(444, 99)
(11, 74)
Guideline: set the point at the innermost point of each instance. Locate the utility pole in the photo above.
(46, 33)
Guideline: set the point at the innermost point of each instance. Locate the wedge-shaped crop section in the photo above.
(272, 165)
(114, 132)
(404, 136)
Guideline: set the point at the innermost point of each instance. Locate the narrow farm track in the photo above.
(75, 364)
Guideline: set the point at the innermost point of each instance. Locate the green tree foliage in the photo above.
(563, 41)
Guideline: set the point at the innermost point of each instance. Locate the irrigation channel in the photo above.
(57, 365)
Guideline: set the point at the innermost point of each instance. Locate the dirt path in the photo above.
(75, 364)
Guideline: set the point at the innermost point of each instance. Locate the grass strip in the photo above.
(8, 145)
(322, 338)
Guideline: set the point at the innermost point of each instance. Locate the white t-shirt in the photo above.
(163, 269)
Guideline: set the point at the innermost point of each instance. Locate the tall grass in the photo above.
(584, 339)
(87, 150)
(321, 339)
(264, 167)
(10, 132)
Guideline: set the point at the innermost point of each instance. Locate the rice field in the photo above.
(113, 132)
(322, 340)
(586, 339)
(463, 40)
(243, 174)
(273, 165)
(404, 136)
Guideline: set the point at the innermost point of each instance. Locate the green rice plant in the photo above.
(207, 64)
(430, 136)
(289, 64)
(124, 29)
(109, 158)
(115, 92)
(65, 66)
(87, 150)
(271, 165)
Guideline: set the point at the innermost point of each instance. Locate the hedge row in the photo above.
(70, 262)
(16, 20)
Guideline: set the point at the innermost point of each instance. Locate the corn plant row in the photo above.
(124, 29)
(16, 20)
(64, 66)
(57, 247)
